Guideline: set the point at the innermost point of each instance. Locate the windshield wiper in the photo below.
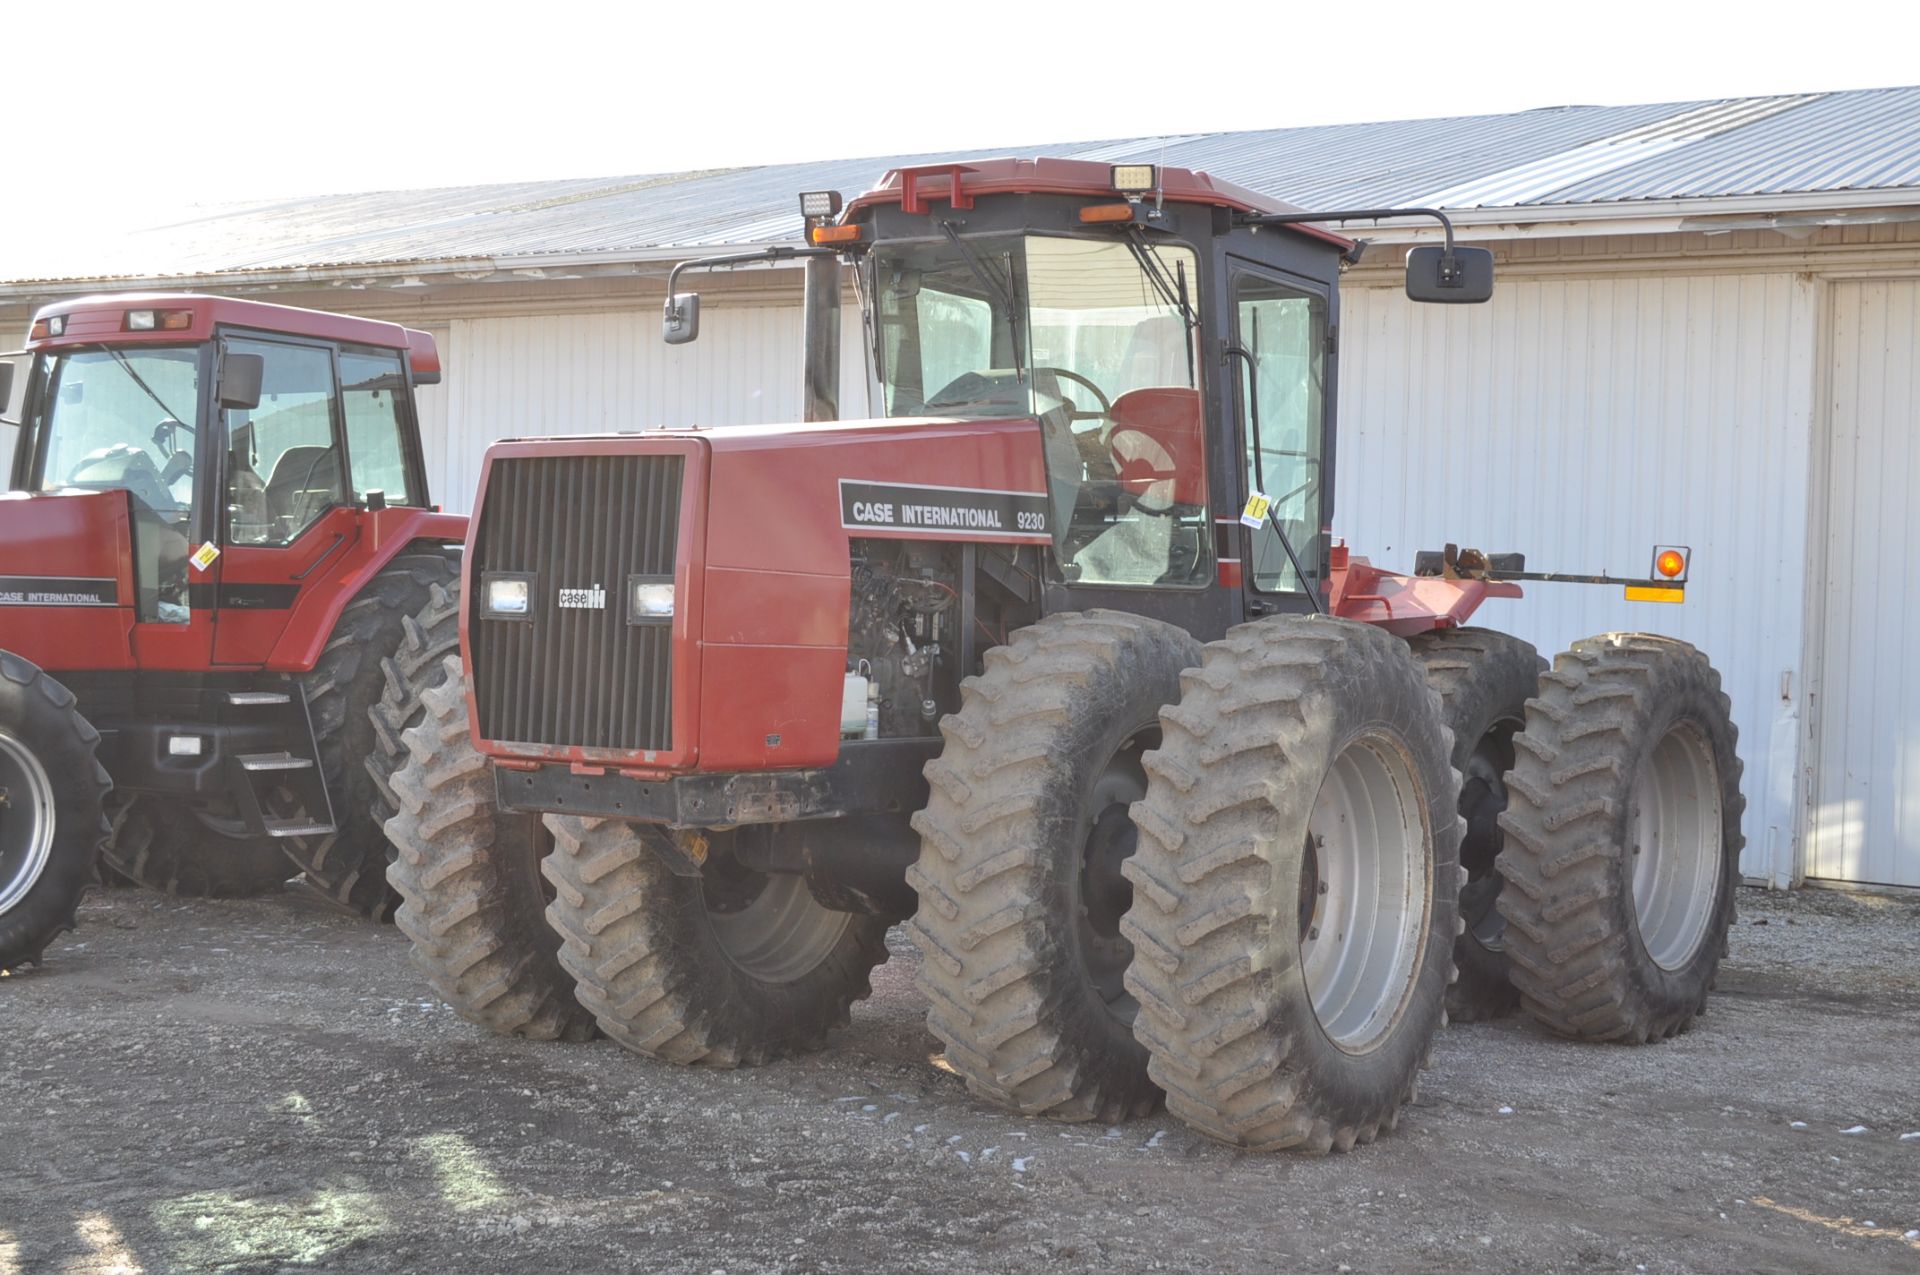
(1002, 290)
(126, 365)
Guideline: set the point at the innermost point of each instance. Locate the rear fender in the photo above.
(384, 535)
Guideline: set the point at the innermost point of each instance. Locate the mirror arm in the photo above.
(778, 252)
(1447, 267)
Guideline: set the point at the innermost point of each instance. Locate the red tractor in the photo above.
(212, 556)
(1056, 659)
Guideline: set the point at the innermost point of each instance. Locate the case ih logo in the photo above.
(593, 599)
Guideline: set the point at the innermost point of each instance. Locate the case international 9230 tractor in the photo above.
(212, 556)
(1056, 660)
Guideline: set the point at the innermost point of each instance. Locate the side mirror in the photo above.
(240, 377)
(681, 322)
(1465, 279)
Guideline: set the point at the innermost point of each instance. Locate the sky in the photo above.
(123, 112)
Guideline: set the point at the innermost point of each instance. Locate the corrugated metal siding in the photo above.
(1582, 421)
(1865, 823)
(607, 372)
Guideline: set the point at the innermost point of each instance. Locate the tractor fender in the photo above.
(384, 535)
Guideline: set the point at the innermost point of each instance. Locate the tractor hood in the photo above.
(67, 590)
(751, 524)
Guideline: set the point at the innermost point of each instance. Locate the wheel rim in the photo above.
(769, 925)
(1676, 850)
(26, 820)
(1104, 894)
(1483, 795)
(1370, 863)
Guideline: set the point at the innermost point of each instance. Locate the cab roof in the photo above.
(958, 184)
(97, 319)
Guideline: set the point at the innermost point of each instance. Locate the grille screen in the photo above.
(571, 676)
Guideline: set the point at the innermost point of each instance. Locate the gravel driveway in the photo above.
(267, 1086)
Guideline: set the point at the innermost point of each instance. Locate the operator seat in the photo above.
(305, 481)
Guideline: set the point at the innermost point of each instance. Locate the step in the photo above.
(247, 699)
(274, 761)
(297, 828)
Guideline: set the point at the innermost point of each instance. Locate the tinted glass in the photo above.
(1282, 403)
(371, 386)
(283, 467)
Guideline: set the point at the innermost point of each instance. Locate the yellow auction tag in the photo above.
(1255, 514)
(203, 556)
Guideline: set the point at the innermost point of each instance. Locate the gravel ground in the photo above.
(266, 1086)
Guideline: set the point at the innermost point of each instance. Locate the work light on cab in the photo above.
(159, 320)
(1136, 179)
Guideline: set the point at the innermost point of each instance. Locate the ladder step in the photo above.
(249, 698)
(297, 828)
(274, 761)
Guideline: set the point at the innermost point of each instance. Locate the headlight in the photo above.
(649, 599)
(508, 596)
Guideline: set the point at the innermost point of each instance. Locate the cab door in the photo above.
(1280, 351)
(285, 506)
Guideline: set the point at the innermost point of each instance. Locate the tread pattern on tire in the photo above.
(401, 616)
(1470, 667)
(162, 845)
(632, 940)
(1003, 991)
(1225, 1013)
(1577, 958)
(471, 901)
(81, 785)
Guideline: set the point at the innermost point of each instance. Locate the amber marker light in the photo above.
(836, 234)
(1106, 214)
(1670, 563)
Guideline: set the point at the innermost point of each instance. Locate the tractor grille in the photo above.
(576, 677)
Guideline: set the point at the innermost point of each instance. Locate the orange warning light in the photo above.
(1670, 563)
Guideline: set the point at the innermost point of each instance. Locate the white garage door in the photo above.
(1866, 793)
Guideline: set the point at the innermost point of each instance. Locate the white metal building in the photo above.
(1706, 332)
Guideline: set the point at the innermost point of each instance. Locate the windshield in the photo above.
(129, 419)
(1092, 336)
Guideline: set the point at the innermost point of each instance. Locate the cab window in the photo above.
(283, 463)
(1282, 414)
(372, 386)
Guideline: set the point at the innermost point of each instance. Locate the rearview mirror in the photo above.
(1462, 277)
(681, 322)
(240, 377)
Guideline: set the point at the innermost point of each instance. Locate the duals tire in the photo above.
(468, 875)
(1623, 840)
(1296, 886)
(1485, 680)
(164, 845)
(1019, 881)
(698, 970)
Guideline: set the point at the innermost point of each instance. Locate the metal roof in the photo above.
(1828, 145)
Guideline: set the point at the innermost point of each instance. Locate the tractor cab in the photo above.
(1174, 336)
(235, 444)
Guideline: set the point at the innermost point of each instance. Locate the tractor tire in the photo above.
(468, 875)
(164, 846)
(1622, 840)
(407, 615)
(52, 825)
(1485, 680)
(1298, 878)
(1022, 841)
(732, 968)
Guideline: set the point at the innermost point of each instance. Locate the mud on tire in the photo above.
(1304, 752)
(1018, 876)
(407, 615)
(52, 826)
(1622, 839)
(469, 879)
(1485, 680)
(721, 972)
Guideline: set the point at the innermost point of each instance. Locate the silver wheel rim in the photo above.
(1368, 850)
(1676, 850)
(26, 821)
(782, 934)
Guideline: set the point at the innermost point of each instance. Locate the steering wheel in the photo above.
(1073, 412)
